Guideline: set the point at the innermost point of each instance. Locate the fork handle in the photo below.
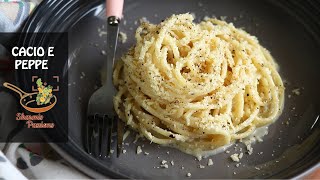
(114, 8)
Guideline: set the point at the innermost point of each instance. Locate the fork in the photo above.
(100, 113)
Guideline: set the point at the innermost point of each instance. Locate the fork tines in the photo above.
(98, 135)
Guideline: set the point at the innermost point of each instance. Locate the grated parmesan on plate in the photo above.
(235, 157)
(139, 150)
(123, 37)
(188, 174)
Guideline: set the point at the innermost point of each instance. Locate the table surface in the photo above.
(314, 175)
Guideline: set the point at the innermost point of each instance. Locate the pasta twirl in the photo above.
(196, 87)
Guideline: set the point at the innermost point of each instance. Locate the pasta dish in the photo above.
(196, 87)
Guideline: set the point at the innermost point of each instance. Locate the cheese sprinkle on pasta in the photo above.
(196, 87)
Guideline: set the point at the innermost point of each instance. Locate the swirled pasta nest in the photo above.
(196, 87)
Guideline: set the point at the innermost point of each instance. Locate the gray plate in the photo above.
(289, 29)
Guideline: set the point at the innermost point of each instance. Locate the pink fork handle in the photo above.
(114, 8)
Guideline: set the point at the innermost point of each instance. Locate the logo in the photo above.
(36, 102)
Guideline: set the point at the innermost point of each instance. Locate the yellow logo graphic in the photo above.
(37, 102)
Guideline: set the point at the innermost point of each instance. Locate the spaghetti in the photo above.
(196, 87)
